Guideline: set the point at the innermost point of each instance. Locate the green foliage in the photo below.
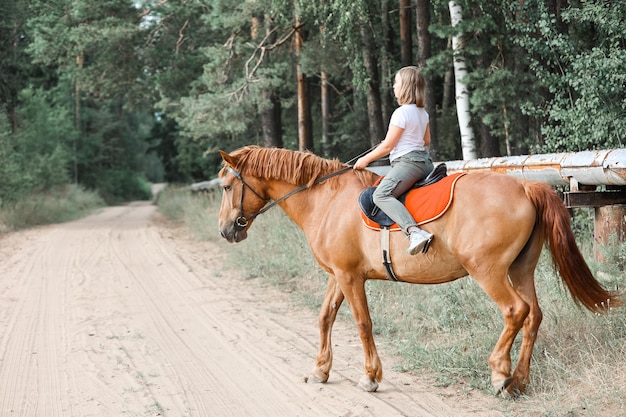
(226, 99)
(209, 71)
(502, 88)
(13, 178)
(341, 36)
(16, 68)
(36, 157)
(118, 185)
(94, 48)
(581, 61)
(93, 43)
(497, 98)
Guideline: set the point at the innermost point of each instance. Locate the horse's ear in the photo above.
(227, 158)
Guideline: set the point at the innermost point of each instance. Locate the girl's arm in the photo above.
(427, 135)
(384, 148)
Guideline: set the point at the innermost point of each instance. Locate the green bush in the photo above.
(35, 157)
(118, 185)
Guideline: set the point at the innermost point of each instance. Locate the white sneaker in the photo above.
(419, 240)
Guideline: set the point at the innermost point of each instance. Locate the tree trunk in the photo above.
(305, 137)
(270, 108)
(555, 8)
(448, 85)
(406, 40)
(422, 22)
(271, 119)
(374, 113)
(14, 86)
(80, 62)
(448, 89)
(387, 99)
(489, 145)
(468, 143)
(325, 103)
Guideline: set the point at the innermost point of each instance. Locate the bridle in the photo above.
(242, 221)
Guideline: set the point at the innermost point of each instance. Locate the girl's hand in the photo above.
(361, 163)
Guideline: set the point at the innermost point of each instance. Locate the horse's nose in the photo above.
(222, 234)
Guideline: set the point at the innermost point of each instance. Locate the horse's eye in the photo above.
(227, 188)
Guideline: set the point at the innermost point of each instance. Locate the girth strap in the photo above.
(384, 245)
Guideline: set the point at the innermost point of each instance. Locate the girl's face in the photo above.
(397, 83)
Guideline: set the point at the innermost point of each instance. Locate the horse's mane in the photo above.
(294, 167)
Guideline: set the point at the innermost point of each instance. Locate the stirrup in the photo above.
(422, 246)
(427, 244)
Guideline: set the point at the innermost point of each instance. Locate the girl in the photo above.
(406, 143)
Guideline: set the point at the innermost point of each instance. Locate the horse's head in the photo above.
(242, 199)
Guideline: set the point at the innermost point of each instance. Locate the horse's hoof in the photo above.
(506, 389)
(316, 377)
(368, 384)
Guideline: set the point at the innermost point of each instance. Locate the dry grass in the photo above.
(53, 206)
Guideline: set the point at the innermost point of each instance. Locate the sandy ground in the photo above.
(119, 314)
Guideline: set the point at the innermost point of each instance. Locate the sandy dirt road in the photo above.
(119, 314)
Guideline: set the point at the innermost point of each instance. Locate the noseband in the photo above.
(242, 221)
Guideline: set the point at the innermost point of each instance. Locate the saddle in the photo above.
(425, 205)
(376, 215)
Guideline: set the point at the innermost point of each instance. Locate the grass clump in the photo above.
(448, 331)
(198, 211)
(56, 206)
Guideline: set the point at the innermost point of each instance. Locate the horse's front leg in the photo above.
(353, 289)
(330, 306)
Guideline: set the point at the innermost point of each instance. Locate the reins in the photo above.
(242, 221)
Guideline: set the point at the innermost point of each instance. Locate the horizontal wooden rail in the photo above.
(604, 167)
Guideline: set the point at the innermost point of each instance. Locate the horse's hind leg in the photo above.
(514, 310)
(330, 306)
(523, 280)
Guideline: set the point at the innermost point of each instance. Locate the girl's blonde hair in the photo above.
(412, 86)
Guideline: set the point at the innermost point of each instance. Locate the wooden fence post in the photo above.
(610, 234)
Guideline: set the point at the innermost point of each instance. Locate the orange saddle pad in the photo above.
(426, 203)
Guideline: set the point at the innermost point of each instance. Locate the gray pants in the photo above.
(405, 171)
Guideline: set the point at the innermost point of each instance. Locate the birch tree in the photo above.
(468, 143)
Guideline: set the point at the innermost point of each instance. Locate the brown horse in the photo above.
(494, 231)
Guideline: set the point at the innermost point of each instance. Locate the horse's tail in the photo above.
(554, 221)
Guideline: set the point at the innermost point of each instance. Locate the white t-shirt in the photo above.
(414, 121)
